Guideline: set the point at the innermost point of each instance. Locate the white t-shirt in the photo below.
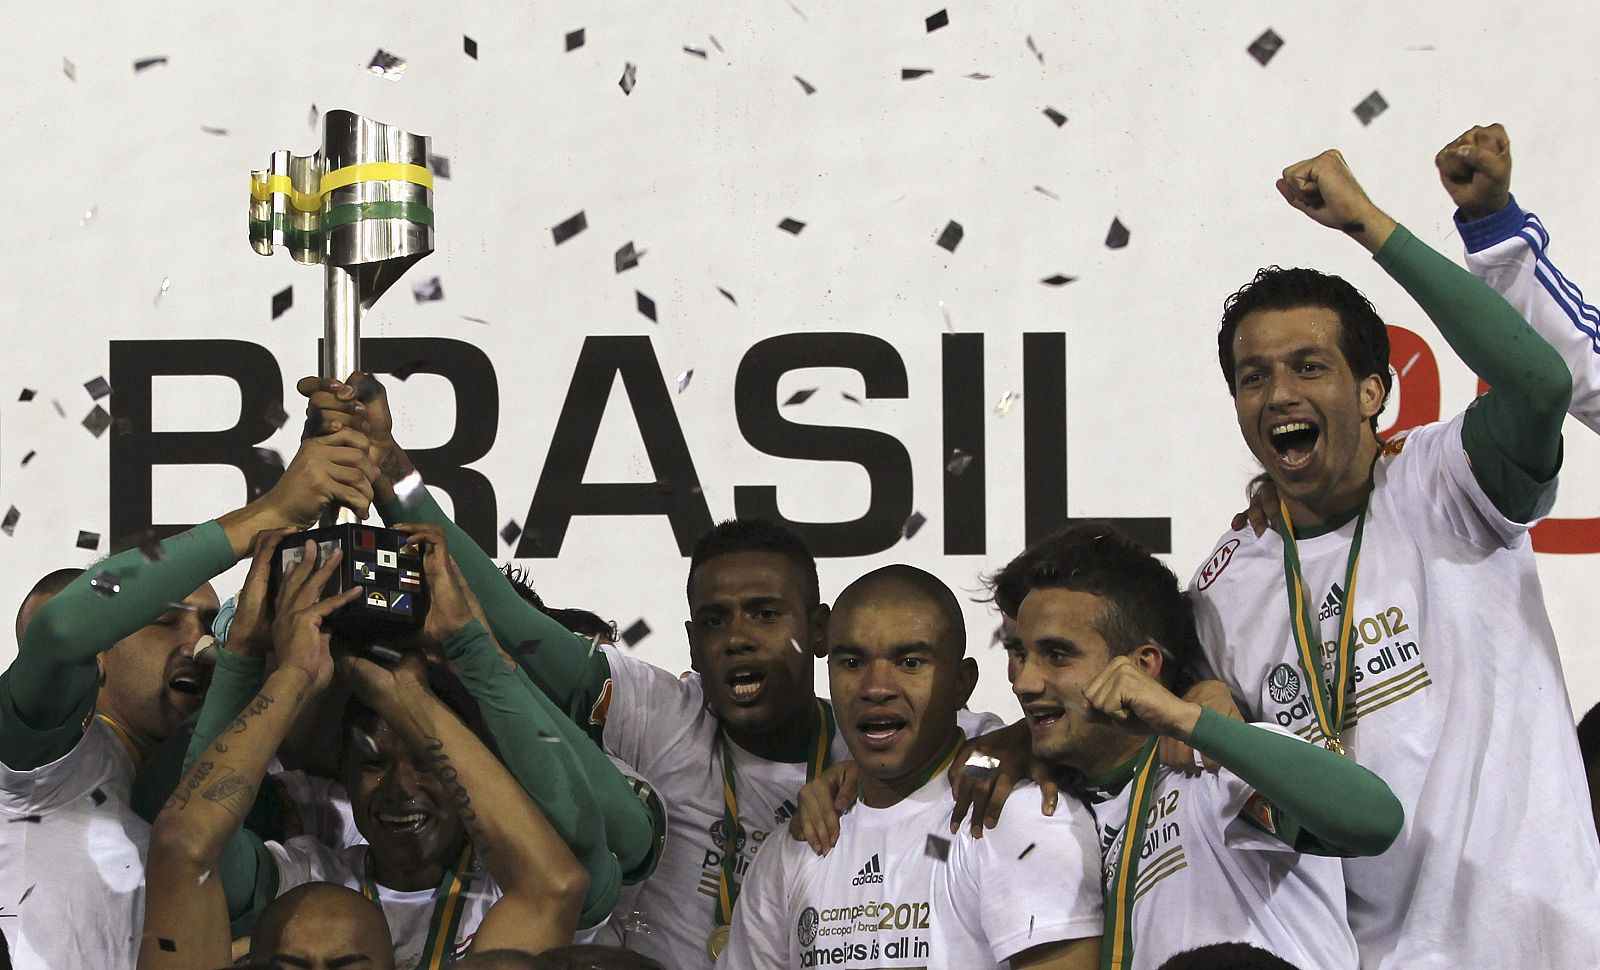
(324, 806)
(1206, 874)
(1458, 703)
(304, 859)
(1032, 879)
(74, 878)
(659, 725)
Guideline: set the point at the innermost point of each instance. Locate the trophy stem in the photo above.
(341, 342)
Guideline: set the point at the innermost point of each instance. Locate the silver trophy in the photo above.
(363, 208)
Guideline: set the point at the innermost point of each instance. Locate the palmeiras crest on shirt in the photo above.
(719, 836)
(1283, 684)
(807, 926)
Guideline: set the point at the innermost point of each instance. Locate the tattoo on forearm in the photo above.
(231, 791)
(257, 707)
(393, 465)
(460, 798)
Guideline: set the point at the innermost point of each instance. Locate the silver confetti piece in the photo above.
(386, 65)
(684, 379)
(1007, 401)
(959, 462)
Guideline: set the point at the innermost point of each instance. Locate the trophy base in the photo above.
(394, 600)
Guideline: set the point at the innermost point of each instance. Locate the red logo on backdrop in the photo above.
(1218, 562)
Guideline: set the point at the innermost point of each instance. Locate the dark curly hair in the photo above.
(756, 535)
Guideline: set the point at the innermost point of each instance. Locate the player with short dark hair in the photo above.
(1227, 956)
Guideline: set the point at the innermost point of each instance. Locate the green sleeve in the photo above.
(1512, 434)
(49, 689)
(1324, 803)
(564, 665)
(249, 877)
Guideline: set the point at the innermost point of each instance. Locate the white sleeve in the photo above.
(303, 859)
(973, 723)
(761, 920)
(1038, 876)
(1509, 251)
(1434, 477)
(649, 711)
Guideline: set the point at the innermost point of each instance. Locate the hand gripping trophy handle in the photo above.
(363, 208)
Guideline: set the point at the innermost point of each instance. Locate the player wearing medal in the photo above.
(104, 671)
(1106, 639)
(898, 675)
(1395, 611)
(729, 746)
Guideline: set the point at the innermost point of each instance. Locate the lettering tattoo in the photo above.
(439, 764)
(231, 791)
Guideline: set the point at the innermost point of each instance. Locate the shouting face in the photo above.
(150, 680)
(1059, 651)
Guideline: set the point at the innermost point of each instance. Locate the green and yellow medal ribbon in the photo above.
(1329, 702)
(1116, 946)
(449, 903)
(819, 744)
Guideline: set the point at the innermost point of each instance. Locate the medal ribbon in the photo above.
(449, 903)
(1116, 945)
(819, 744)
(1328, 702)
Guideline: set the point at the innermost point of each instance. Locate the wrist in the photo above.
(1375, 228)
(241, 525)
(1472, 212)
(1186, 716)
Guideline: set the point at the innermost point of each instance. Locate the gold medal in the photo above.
(717, 941)
(1334, 746)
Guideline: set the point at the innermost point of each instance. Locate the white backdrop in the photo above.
(1172, 128)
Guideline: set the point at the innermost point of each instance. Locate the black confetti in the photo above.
(1035, 49)
(575, 39)
(935, 21)
(106, 583)
(1046, 193)
(805, 85)
(282, 301)
(800, 397)
(439, 165)
(978, 76)
(97, 388)
(386, 65)
(633, 634)
(715, 44)
(27, 458)
(9, 524)
(150, 547)
(509, 534)
(697, 52)
(792, 226)
(571, 227)
(474, 319)
(1371, 107)
(914, 524)
(27, 394)
(646, 305)
(470, 46)
(61, 412)
(630, 77)
(26, 893)
(213, 131)
(912, 73)
(626, 257)
(88, 540)
(276, 415)
(1057, 280)
(728, 295)
(1117, 236)
(427, 291)
(144, 64)
(35, 819)
(1055, 116)
(951, 237)
(97, 421)
(1263, 47)
(410, 367)
(850, 397)
(1025, 852)
(939, 848)
(167, 946)
(313, 117)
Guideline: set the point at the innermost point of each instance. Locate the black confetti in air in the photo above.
(1117, 236)
(792, 226)
(912, 73)
(1035, 49)
(88, 540)
(805, 85)
(938, 848)
(951, 237)
(439, 165)
(427, 291)
(474, 319)
(633, 634)
(626, 257)
(716, 44)
(408, 368)
(61, 412)
(1371, 107)
(145, 63)
(1055, 116)
(1025, 852)
(282, 301)
(977, 76)
(470, 46)
(97, 421)
(728, 295)
(913, 525)
(9, 524)
(213, 131)
(276, 415)
(26, 893)
(571, 227)
(509, 534)
(997, 637)
(97, 388)
(850, 397)
(1046, 193)
(575, 39)
(1263, 47)
(646, 305)
(630, 77)
(35, 819)
(800, 397)
(106, 583)
(166, 945)
(313, 116)
(386, 65)
(959, 462)
(28, 394)
(934, 21)
(150, 547)
(697, 52)
(69, 69)
(1057, 280)
(27, 458)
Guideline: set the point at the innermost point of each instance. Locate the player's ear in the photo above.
(969, 679)
(1149, 659)
(1371, 395)
(694, 655)
(818, 625)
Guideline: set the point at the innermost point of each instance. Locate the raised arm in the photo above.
(1509, 249)
(1512, 433)
(186, 909)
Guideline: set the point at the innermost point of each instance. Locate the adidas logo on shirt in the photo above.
(871, 872)
(785, 812)
(1334, 604)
